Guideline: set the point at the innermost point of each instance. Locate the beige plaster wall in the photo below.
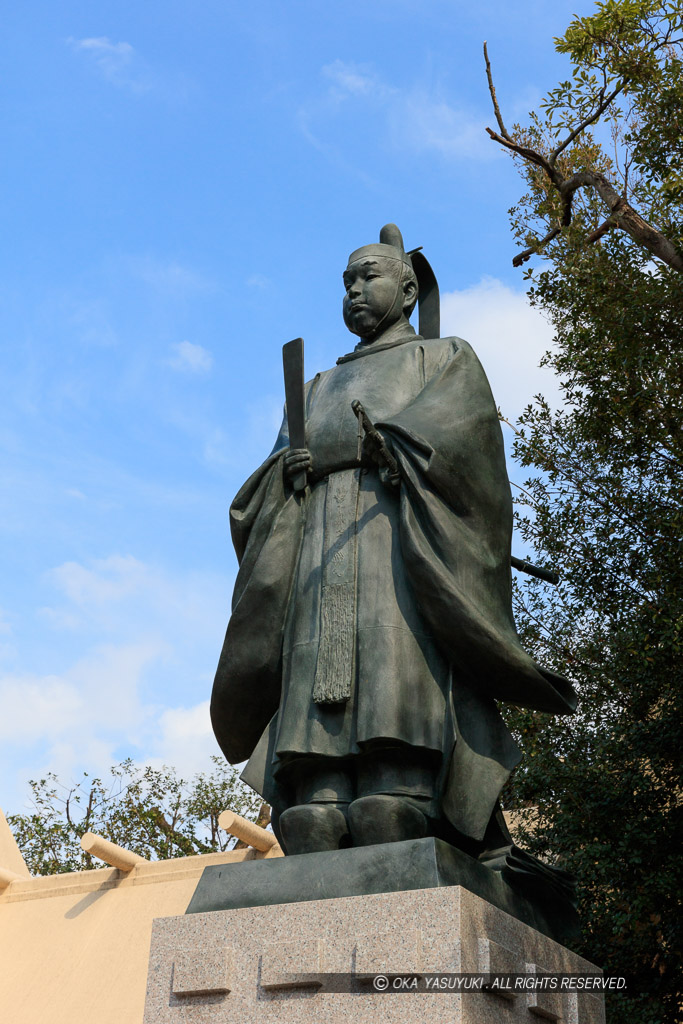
(74, 948)
(10, 854)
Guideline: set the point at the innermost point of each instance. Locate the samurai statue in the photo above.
(372, 634)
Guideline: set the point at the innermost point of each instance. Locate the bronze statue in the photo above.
(372, 631)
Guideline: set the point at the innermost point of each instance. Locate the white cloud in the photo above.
(354, 79)
(118, 63)
(92, 323)
(143, 638)
(122, 596)
(37, 707)
(109, 55)
(184, 739)
(218, 447)
(261, 423)
(79, 720)
(121, 65)
(169, 276)
(99, 692)
(180, 725)
(425, 123)
(264, 419)
(259, 281)
(110, 579)
(191, 357)
(509, 336)
(412, 118)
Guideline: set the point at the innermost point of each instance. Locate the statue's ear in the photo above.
(409, 293)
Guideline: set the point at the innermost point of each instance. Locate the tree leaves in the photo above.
(150, 811)
(604, 503)
(628, 51)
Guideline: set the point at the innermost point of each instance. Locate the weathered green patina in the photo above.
(372, 630)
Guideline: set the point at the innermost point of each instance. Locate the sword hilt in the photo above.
(373, 433)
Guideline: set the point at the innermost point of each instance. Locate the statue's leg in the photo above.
(318, 819)
(396, 796)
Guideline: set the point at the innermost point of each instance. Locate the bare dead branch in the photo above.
(499, 118)
(622, 215)
(529, 154)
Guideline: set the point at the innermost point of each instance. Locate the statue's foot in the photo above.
(385, 819)
(311, 828)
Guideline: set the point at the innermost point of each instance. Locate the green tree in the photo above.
(627, 65)
(150, 811)
(605, 502)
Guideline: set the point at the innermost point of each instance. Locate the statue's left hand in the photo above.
(389, 479)
(373, 453)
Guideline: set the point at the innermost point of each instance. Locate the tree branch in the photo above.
(596, 235)
(67, 808)
(499, 118)
(602, 106)
(531, 498)
(622, 214)
(522, 257)
(625, 217)
(528, 154)
(186, 844)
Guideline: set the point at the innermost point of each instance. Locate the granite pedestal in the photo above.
(246, 963)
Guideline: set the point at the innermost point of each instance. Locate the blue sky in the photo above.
(181, 184)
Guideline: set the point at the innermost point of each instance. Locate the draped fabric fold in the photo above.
(455, 529)
(425, 642)
(266, 529)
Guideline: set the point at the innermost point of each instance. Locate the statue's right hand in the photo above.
(297, 460)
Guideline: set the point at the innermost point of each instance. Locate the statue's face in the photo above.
(373, 297)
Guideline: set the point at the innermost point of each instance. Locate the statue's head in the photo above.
(381, 286)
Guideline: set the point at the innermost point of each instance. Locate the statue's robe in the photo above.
(366, 614)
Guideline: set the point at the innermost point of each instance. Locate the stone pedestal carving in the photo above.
(242, 965)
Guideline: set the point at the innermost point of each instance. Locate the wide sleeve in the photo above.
(266, 520)
(455, 533)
